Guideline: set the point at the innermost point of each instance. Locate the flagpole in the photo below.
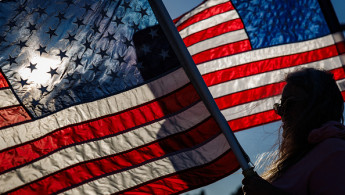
(194, 75)
(330, 16)
(342, 27)
(332, 21)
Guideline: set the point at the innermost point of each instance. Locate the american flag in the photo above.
(244, 49)
(93, 101)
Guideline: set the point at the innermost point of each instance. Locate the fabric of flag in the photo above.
(93, 101)
(245, 48)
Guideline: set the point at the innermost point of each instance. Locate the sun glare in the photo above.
(36, 72)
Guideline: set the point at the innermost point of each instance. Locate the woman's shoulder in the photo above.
(328, 174)
(329, 130)
(330, 145)
(328, 139)
(331, 149)
(321, 171)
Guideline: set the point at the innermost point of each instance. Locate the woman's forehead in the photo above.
(295, 91)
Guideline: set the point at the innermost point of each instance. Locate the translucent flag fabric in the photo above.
(94, 101)
(244, 49)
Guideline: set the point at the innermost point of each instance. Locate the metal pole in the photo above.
(332, 21)
(342, 27)
(194, 75)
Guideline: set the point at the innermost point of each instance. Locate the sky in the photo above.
(256, 141)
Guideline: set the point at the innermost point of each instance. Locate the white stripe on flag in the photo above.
(156, 169)
(338, 37)
(266, 53)
(7, 98)
(202, 7)
(217, 41)
(105, 147)
(250, 108)
(266, 78)
(342, 59)
(341, 84)
(12, 136)
(259, 106)
(209, 22)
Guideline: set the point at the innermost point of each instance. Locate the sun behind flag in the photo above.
(94, 101)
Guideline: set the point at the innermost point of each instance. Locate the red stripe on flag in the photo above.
(222, 51)
(177, 19)
(82, 173)
(339, 73)
(185, 180)
(3, 82)
(269, 65)
(213, 31)
(341, 47)
(212, 11)
(253, 120)
(249, 95)
(256, 94)
(109, 125)
(262, 92)
(12, 115)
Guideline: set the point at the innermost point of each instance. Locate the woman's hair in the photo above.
(323, 103)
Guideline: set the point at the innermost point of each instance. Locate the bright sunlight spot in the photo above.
(37, 71)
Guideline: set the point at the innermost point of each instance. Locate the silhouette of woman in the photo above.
(311, 154)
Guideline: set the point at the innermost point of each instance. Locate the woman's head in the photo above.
(310, 98)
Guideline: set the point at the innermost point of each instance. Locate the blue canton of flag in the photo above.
(61, 53)
(276, 22)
